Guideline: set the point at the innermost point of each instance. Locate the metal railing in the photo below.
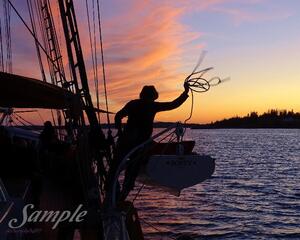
(4, 197)
(125, 159)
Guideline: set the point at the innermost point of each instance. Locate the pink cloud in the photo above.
(144, 43)
(144, 51)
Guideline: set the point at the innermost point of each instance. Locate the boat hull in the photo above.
(179, 171)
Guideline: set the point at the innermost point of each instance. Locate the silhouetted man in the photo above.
(48, 136)
(141, 113)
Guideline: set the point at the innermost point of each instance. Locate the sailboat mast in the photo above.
(96, 138)
(76, 60)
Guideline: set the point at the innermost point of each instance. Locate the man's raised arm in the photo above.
(165, 106)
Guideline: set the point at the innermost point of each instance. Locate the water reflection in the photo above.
(254, 194)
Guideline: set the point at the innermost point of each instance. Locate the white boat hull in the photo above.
(177, 172)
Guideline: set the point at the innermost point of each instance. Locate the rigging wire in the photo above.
(37, 5)
(103, 66)
(12, 121)
(32, 20)
(57, 41)
(1, 48)
(138, 192)
(32, 34)
(10, 44)
(9, 52)
(96, 62)
(24, 120)
(93, 49)
(7, 18)
(40, 116)
(59, 28)
(53, 118)
(21, 122)
(110, 138)
(49, 39)
(91, 43)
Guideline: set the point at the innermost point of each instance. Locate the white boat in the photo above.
(178, 171)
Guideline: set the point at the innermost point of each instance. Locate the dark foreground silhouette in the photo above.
(139, 127)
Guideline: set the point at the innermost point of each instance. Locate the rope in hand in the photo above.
(196, 82)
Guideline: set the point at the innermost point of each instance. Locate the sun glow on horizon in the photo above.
(255, 43)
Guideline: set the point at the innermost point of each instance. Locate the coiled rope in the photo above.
(197, 82)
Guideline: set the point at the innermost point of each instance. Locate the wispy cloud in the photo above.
(253, 11)
(146, 50)
(145, 41)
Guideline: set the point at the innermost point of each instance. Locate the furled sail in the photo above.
(23, 92)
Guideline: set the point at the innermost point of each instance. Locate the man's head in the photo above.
(47, 124)
(149, 93)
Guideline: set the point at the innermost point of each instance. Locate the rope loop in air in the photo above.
(199, 84)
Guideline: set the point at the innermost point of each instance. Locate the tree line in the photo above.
(273, 118)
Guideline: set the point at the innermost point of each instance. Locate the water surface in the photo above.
(254, 194)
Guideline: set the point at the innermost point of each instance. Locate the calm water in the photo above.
(254, 194)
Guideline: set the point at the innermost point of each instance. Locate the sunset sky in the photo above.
(155, 42)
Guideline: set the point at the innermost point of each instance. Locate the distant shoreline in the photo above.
(273, 119)
(191, 126)
(217, 126)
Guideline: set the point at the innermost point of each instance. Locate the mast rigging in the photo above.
(76, 60)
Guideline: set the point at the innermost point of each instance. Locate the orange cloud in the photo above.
(144, 43)
(146, 51)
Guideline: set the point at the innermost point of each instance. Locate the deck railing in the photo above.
(126, 158)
